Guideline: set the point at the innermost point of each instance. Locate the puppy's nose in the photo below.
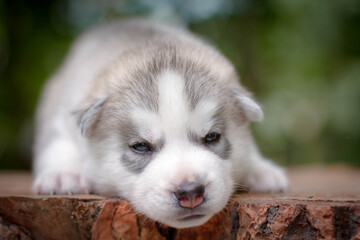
(190, 195)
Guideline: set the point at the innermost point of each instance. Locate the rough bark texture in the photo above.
(296, 215)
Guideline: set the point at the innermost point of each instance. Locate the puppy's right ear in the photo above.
(88, 117)
(249, 107)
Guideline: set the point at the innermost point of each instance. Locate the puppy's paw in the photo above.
(267, 177)
(60, 183)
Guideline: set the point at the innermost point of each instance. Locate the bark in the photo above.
(296, 215)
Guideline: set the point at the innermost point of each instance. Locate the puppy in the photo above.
(154, 115)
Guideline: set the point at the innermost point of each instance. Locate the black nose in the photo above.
(190, 195)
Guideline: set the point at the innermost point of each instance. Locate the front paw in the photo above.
(267, 177)
(60, 183)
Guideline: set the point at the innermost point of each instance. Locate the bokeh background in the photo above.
(300, 58)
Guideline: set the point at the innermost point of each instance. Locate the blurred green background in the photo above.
(300, 58)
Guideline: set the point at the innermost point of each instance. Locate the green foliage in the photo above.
(300, 58)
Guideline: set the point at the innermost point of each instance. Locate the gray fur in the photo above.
(249, 107)
(123, 61)
(141, 91)
(136, 163)
(221, 148)
(89, 116)
(201, 81)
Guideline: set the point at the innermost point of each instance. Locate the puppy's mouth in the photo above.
(191, 217)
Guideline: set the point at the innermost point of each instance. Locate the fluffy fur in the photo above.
(136, 82)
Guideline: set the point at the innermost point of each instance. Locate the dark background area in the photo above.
(300, 58)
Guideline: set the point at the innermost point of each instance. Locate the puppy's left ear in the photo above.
(89, 115)
(250, 107)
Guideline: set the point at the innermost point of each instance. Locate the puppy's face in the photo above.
(161, 141)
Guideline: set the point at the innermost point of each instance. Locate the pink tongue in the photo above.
(191, 203)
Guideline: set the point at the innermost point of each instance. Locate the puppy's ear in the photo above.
(89, 115)
(250, 107)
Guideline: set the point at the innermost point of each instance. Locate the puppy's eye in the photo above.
(212, 137)
(141, 148)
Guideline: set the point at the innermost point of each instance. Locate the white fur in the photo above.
(66, 162)
(172, 104)
(152, 188)
(252, 110)
(200, 120)
(179, 160)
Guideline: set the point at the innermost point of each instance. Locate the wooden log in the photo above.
(324, 203)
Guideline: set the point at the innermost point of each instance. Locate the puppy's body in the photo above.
(154, 115)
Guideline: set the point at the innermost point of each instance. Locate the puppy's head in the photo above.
(161, 135)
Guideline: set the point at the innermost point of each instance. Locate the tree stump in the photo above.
(323, 203)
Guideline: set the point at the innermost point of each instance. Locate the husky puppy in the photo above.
(152, 114)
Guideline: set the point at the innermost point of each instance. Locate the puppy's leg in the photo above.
(58, 166)
(265, 176)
